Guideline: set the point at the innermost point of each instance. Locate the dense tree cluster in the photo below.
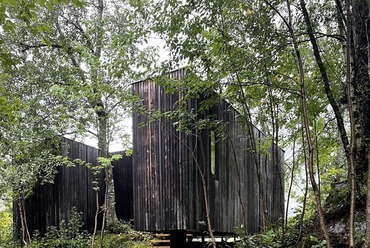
(297, 69)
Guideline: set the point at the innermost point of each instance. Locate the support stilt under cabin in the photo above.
(191, 239)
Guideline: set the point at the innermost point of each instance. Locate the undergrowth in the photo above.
(71, 235)
(6, 222)
(293, 236)
(68, 235)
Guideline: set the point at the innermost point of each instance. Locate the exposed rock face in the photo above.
(338, 228)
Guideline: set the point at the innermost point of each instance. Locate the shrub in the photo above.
(69, 235)
(6, 228)
(271, 239)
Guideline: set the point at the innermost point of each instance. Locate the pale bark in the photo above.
(306, 186)
(95, 219)
(109, 209)
(26, 237)
(317, 152)
(289, 191)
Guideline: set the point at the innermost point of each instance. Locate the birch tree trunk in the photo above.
(109, 216)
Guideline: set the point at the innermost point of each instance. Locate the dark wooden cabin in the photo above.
(73, 187)
(160, 186)
(168, 193)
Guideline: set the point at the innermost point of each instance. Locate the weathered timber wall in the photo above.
(122, 175)
(168, 164)
(73, 187)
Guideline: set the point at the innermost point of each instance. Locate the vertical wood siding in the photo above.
(122, 175)
(167, 185)
(73, 187)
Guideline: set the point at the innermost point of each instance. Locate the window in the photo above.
(213, 155)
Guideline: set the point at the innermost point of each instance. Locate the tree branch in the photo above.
(326, 80)
(28, 47)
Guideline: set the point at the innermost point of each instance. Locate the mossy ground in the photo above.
(112, 240)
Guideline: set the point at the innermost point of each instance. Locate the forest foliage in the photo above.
(296, 69)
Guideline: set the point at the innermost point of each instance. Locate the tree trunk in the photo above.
(26, 237)
(362, 94)
(317, 152)
(325, 78)
(306, 186)
(208, 213)
(367, 239)
(308, 131)
(352, 145)
(361, 83)
(95, 218)
(205, 192)
(109, 216)
(285, 223)
(311, 164)
(249, 126)
(238, 189)
(203, 179)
